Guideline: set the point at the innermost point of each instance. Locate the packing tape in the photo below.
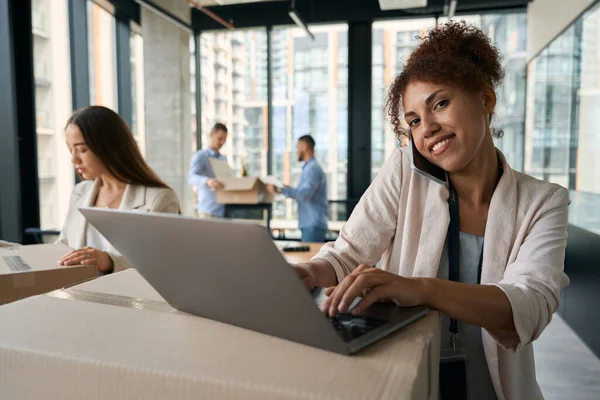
(114, 300)
(23, 276)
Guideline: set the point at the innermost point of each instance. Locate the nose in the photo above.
(74, 158)
(429, 125)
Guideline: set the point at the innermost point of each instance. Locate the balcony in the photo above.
(46, 169)
(222, 79)
(222, 60)
(237, 38)
(41, 73)
(44, 131)
(221, 95)
(238, 85)
(39, 22)
(42, 119)
(47, 215)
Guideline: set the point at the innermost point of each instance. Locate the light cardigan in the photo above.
(135, 197)
(402, 220)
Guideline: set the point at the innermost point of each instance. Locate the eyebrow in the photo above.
(80, 144)
(428, 101)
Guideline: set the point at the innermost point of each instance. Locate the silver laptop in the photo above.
(232, 272)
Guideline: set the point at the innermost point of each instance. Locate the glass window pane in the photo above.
(102, 57)
(234, 92)
(310, 91)
(563, 129)
(138, 127)
(392, 43)
(508, 33)
(53, 107)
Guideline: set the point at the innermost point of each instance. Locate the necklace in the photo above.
(107, 205)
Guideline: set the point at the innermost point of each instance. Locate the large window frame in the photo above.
(126, 12)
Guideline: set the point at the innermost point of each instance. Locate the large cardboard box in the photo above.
(30, 270)
(116, 338)
(244, 190)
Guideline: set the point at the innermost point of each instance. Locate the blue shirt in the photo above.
(311, 195)
(200, 171)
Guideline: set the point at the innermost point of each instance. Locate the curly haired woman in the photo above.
(495, 300)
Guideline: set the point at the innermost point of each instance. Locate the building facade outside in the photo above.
(309, 97)
(53, 107)
(52, 78)
(563, 129)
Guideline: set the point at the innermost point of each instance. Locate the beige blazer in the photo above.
(402, 220)
(135, 197)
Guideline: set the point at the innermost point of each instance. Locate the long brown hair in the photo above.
(109, 138)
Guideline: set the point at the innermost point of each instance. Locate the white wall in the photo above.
(547, 18)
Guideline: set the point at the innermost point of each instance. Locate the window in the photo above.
(399, 38)
(137, 90)
(234, 93)
(392, 43)
(53, 107)
(102, 57)
(508, 33)
(311, 100)
(563, 130)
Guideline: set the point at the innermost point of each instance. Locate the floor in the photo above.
(566, 368)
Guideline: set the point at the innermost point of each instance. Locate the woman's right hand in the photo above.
(306, 273)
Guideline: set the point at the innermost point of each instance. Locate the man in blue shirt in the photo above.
(311, 193)
(202, 176)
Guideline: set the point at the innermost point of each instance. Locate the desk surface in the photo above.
(333, 226)
(296, 257)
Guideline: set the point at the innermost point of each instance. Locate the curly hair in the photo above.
(455, 54)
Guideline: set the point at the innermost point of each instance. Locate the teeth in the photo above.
(440, 144)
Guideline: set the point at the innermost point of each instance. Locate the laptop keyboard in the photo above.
(351, 327)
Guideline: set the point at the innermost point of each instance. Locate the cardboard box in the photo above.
(244, 190)
(115, 338)
(29, 270)
(247, 190)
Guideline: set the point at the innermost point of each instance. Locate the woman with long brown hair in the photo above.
(106, 156)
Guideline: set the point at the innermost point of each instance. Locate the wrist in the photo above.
(110, 264)
(428, 292)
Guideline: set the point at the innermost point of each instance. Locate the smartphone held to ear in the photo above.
(424, 167)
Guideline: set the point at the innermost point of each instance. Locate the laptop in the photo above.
(232, 272)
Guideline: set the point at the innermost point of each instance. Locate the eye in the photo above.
(414, 122)
(441, 104)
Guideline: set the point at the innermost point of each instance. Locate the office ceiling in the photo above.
(431, 4)
(249, 13)
(216, 3)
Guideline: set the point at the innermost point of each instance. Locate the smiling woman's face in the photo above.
(448, 124)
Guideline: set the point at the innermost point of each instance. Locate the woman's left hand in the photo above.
(89, 256)
(373, 285)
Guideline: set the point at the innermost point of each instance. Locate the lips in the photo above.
(440, 142)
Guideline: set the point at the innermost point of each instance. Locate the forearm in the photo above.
(323, 271)
(289, 192)
(197, 180)
(481, 305)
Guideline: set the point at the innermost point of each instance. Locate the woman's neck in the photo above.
(476, 183)
(111, 184)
